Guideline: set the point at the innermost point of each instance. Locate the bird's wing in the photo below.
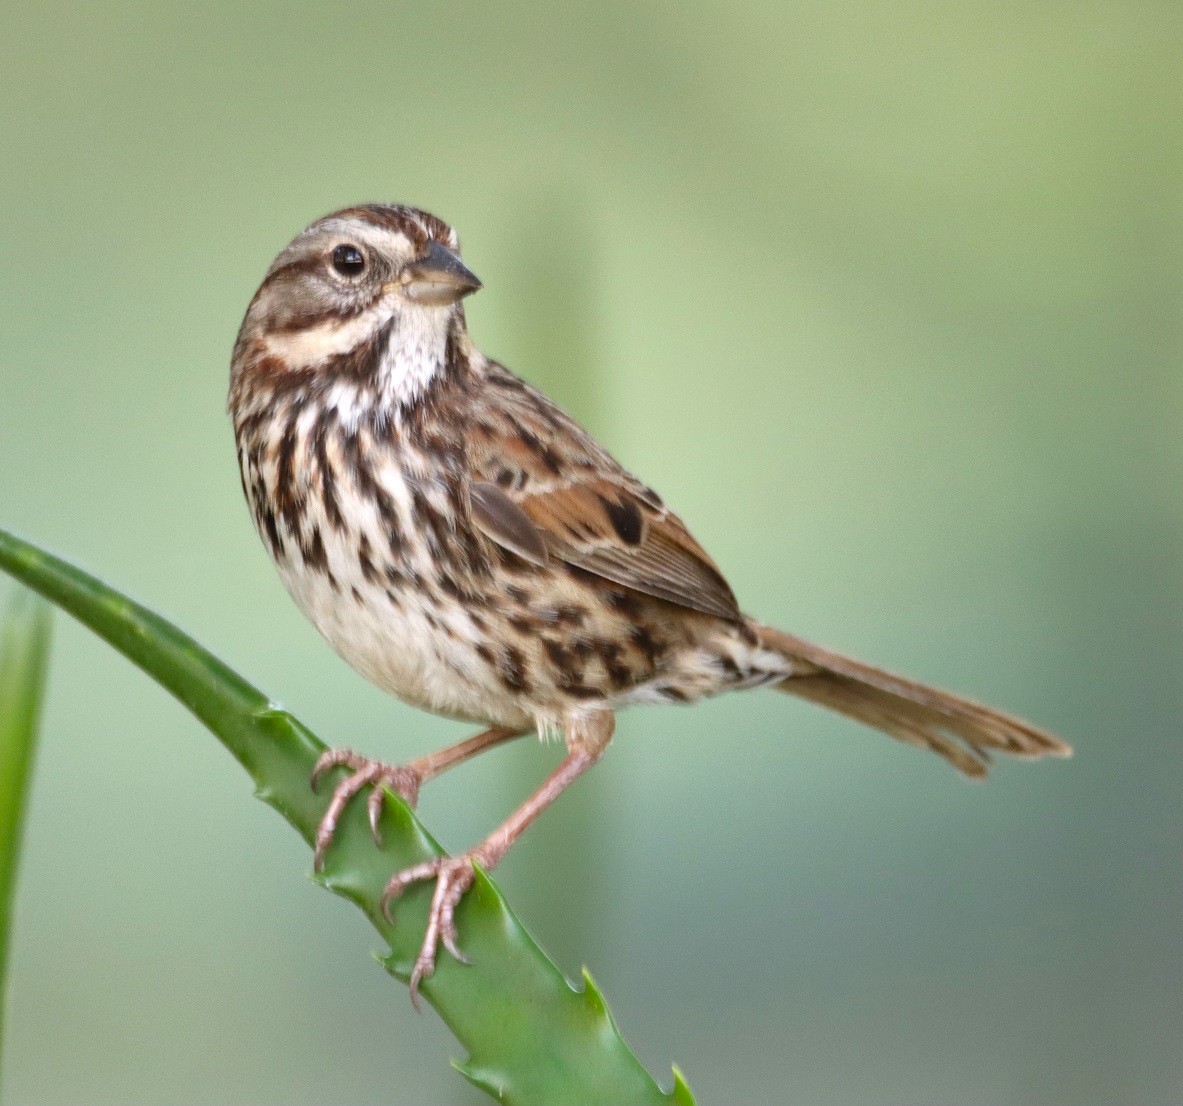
(543, 488)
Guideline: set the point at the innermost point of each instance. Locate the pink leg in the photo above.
(404, 780)
(454, 875)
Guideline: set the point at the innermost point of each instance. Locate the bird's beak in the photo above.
(437, 278)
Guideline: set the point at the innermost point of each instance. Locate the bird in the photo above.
(469, 548)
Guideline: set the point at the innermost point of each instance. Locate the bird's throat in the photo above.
(415, 355)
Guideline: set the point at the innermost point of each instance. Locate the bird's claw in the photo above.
(453, 877)
(400, 779)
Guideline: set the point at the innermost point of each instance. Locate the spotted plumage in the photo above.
(466, 546)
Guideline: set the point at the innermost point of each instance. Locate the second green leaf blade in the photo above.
(24, 655)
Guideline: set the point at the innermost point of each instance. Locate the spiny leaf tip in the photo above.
(681, 1095)
(482, 1079)
(594, 997)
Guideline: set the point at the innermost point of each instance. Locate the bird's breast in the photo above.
(371, 537)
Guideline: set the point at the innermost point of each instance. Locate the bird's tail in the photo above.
(965, 733)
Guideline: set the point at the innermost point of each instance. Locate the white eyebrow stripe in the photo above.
(381, 239)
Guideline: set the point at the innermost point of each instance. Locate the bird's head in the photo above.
(371, 293)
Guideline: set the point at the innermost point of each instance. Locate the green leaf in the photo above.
(24, 652)
(531, 1037)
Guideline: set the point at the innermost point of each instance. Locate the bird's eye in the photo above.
(348, 260)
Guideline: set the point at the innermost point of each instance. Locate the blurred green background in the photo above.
(885, 298)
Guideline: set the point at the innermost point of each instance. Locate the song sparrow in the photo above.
(469, 548)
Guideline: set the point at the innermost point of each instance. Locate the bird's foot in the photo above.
(402, 780)
(453, 876)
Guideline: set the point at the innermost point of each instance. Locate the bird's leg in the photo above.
(454, 875)
(402, 779)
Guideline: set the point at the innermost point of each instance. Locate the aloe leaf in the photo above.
(24, 653)
(531, 1037)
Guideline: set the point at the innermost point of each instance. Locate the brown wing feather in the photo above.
(501, 519)
(589, 511)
